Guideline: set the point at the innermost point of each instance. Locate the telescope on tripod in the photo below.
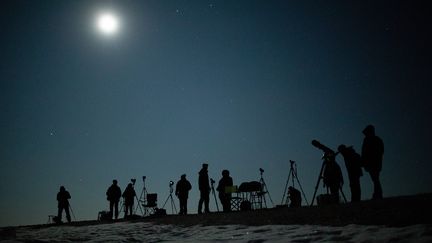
(330, 173)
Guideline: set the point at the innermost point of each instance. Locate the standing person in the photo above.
(183, 187)
(333, 178)
(204, 187)
(224, 197)
(372, 157)
(129, 198)
(113, 196)
(63, 197)
(353, 166)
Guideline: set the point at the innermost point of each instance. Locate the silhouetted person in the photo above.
(129, 198)
(113, 196)
(63, 197)
(295, 197)
(183, 187)
(353, 166)
(204, 187)
(333, 179)
(224, 197)
(372, 156)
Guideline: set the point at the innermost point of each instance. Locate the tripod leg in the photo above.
(304, 195)
(72, 212)
(142, 200)
(269, 196)
(343, 195)
(214, 194)
(173, 206)
(317, 184)
(266, 191)
(166, 201)
(138, 205)
(286, 190)
(139, 201)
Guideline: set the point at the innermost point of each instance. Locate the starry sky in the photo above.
(241, 85)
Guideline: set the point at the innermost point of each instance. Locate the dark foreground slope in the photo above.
(395, 211)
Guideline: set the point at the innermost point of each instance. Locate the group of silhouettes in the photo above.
(113, 196)
(370, 159)
(183, 186)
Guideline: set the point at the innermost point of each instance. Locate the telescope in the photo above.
(328, 152)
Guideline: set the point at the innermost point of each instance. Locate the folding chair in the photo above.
(151, 204)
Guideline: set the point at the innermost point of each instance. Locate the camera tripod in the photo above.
(214, 194)
(292, 174)
(143, 198)
(72, 212)
(170, 197)
(264, 191)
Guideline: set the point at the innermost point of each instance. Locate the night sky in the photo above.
(241, 84)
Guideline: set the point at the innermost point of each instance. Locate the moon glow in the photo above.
(107, 23)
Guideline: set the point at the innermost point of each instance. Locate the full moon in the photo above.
(107, 23)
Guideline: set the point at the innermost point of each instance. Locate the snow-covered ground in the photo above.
(148, 232)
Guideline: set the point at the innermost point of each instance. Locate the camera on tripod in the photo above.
(143, 178)
(170, 197)
(261, 170)
(212, 181)
(133, 180)
(291, 193)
